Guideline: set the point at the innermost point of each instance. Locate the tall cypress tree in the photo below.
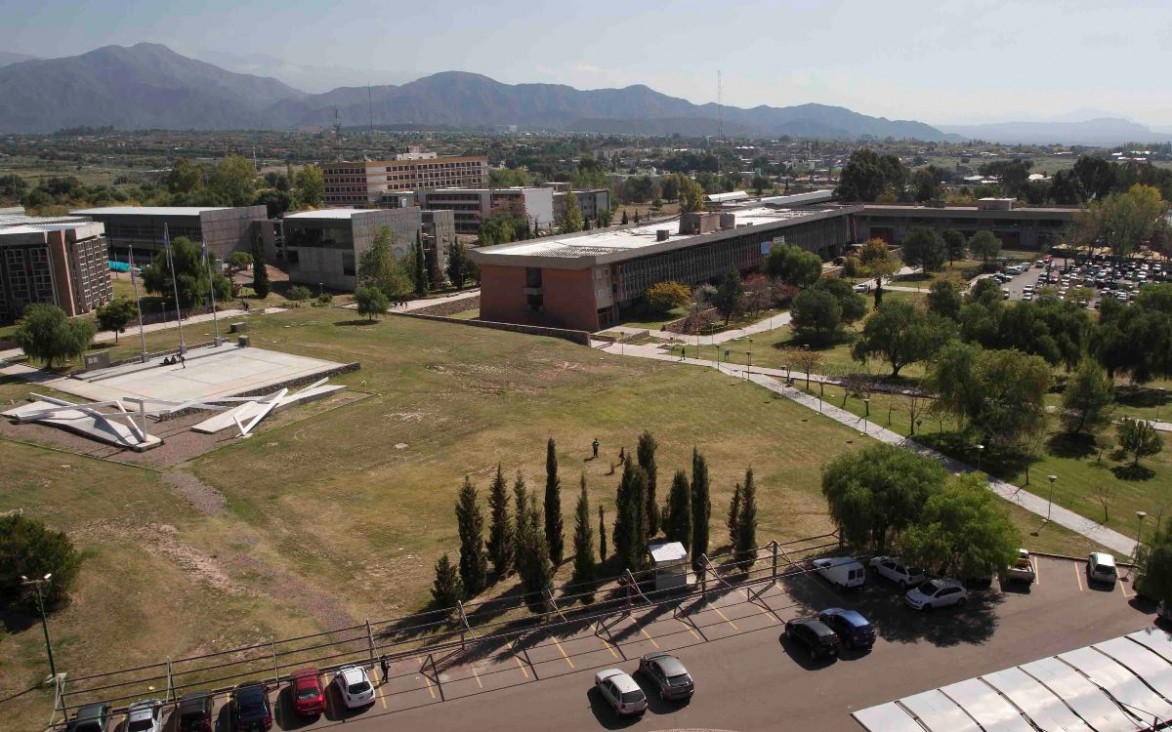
(470, 522)
(678, 520)
(446, 589)
(553, 504)
(260, 274)
(500, 530)
(601, 534)
(646, 452)
(701, 505)
(630, 543)
(520, 515)
(533, 563)
(584, 564)
(734, 517)
(420, 270)
(746, 545)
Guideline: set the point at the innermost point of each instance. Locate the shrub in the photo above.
(664, 296)
(299, 293)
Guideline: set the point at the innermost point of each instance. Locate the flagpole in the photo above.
(174, 287)
(211, 290)
(137, 302)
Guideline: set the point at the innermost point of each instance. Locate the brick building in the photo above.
(64, 262)
(471, 206)
(373, 182)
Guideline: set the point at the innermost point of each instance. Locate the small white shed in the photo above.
(670, 561)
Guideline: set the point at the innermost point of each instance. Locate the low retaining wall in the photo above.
(138, 359)
(580, 337)
(451, 307)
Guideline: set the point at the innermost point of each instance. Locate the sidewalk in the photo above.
(426, 302)
(761, 326)
(1113, 540)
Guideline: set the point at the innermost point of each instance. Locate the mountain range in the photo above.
(151, 86)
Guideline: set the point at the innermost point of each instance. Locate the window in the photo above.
(532, 277)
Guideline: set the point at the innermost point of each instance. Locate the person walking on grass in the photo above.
(595, 445)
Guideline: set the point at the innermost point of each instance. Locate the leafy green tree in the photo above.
(378, 268)
(45, 333)
(816, 316)
(260, 272)
(701, 505)
(954, 244)
(962, 529)
(985, 245)
(645, 453)
(746, 539)
(1088, 399)
(553, 504)
(733, 522)
(867, 177)
(238, 262)
(571, 218)
(729, 295)
(945, 299)
(1122, 220)
(501, 536)
(457, 269)
(662, 297)
(630, 543)
(1139, 438)
(298, 293)
(900, 335)
(194, 276)
(371, 302)
(533, 562)
(854, 305)
(233, 181)
(310, 184)
(470, 523)
(446, 589)
(924, 248)
(585, 568)
(874, 494)
(691, 194)
(677, 521)
(1155, 563)
(31, 549)
(184, 177)
(793, 265)
(116, 315)
(508, 177)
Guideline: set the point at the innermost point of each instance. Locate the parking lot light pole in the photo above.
(1139, 531)
(1163, 394)
(980, 449)
(44, 620)
(1050, 501)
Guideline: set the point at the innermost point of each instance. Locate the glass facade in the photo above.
(319, 235)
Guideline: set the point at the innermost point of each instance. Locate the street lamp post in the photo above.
(1139, 531)
(1050, 500)
(980, 449)
(1163, 394)
(749, 372)
(866, 412)
(44, 620)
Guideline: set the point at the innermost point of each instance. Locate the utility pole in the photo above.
(44, 620)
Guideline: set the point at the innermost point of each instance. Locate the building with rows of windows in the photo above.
(225, 230)
(370, 182)
(60, 260)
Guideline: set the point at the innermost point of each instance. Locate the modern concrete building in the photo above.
(367, 182)
(585, 281)
(224, 229)
(324, 247)
(439, 232)
(591, 202)
(1024, 228)
(55, 260)
(472, 205)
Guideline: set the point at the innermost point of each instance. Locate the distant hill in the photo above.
(150, 86)
(1102, 132)
(8, 57)
(141, 87)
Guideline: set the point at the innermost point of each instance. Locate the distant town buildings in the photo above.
(224, 229)
(366, 182)
(59, 260)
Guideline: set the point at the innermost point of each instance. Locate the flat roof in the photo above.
(331, 213)
(582, 250)
(10, 220)
(148, 210)
(893, 209)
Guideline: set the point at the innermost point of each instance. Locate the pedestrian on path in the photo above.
(382, 663)
(595, 445)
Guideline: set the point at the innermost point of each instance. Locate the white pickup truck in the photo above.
(1022, 570)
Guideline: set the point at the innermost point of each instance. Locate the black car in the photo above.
(250, 708)
(668, 675)
(817, 637)
(195, 712)
(91, 718)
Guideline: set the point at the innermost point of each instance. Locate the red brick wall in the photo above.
(502, 294)
(568, 297)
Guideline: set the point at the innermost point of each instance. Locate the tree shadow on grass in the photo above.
(1133, 472)
(356, 323)
(1076, 446)
(1138, 396)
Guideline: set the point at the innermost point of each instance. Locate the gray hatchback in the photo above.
(668, 674)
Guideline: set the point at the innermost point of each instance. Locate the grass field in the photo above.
(341, 516)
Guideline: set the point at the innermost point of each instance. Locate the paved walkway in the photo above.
(769, 378)
(761, 326)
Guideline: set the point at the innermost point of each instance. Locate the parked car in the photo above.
(842, 572)
(668, 674)
(309, 698)
(1101, 568)
(145, 716)
(816, 637)
(853, 630)
(91, 718)
(1022, 570)
(620, 691)
(354, 686)
(936, 593)
(863, 287)
(195, 711)
(894, 569)
(249, 708)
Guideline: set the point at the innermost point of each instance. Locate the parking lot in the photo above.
(747, 675)
(1105, 279)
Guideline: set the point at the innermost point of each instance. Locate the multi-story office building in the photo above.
(367, 182)
(1016, 227)
(591, 202)
(471, 206)
(61, 261)
(224, 229)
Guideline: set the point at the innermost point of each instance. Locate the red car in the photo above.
(309, 700)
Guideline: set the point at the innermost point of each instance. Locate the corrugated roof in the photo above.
(147, 210)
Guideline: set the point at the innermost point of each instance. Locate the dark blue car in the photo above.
(851, 627)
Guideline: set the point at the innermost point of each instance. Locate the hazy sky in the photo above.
(939, 61)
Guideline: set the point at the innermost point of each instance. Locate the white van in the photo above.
(842, 572)
(1101, 568)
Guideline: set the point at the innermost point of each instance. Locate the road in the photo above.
(752, 680)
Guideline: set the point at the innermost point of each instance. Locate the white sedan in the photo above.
(895, 570)
(620, 691)
(354, 687)
(936, 593)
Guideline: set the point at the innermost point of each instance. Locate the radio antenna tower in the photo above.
(719, 107)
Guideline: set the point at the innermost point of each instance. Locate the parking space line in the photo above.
(690, 629)
(1124, 591)
(725, 619)
(1077, 576)
(521, 666)
(1037, 574)
(378, 690)
(648, 637)
(562, 650)
(477, 677)
(426, 680)
(607, 646)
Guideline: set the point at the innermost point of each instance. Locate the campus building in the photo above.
(591, 202)
(323, 248)
(60, 260)
(472, 205)
(225, 230)
(585, 281)
(1017, 228)
(368, 182)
